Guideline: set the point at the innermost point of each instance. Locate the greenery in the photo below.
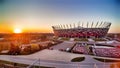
(106, 60)
(104, 45)
(81, 39)
(31, 48)
(78, 59)
(84, 39)
(64, 38)
(77, 39)
(18, 65)
(11, 63)
(55, 38)
(42, 67)
(99, 39)
(88, 47)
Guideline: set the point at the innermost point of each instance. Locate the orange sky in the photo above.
(39, 16)
(10, 28)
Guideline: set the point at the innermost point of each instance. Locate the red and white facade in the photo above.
(82, 30)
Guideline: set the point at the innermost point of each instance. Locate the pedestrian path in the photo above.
(89, 62)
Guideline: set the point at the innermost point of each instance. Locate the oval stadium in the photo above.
(82, 30)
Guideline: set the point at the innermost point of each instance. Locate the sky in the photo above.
(40, 15)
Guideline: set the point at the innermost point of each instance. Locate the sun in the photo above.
(17, 30)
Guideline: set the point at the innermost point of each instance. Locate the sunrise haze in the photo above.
(40, 15)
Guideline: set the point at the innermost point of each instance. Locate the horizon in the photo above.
(40, 15)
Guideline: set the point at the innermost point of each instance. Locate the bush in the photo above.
(99, 39)
(65, 38)
(77, 39)
(84, 39)
(78, 59)
(106, 60)
(34, 47)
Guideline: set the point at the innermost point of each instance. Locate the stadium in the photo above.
(82, 30)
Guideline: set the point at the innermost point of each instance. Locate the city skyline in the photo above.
(40, 15)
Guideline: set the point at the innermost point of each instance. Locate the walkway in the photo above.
(59, 61)
(64, 45)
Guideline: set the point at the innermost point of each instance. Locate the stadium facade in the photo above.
(82, 30)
